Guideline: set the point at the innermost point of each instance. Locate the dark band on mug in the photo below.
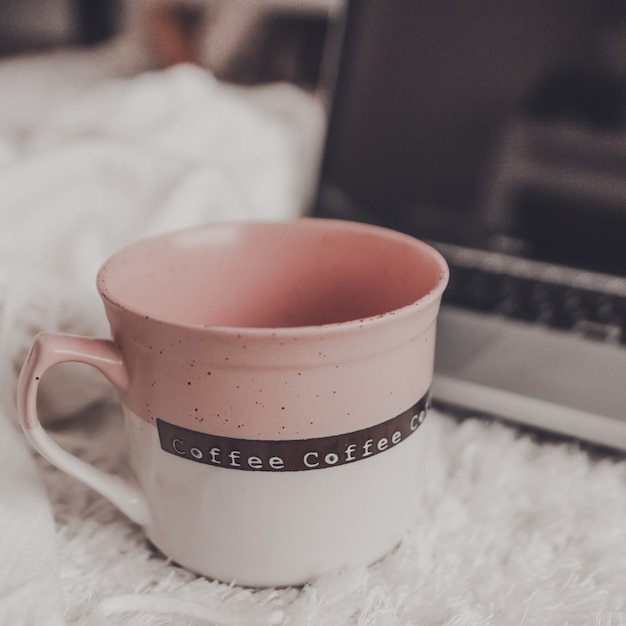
(293, 455)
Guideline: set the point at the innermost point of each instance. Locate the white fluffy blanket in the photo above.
(512, 530)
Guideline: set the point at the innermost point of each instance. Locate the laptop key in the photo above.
(510, 297)
(603, 308)
(480, 292)
(540, 303)
(569, 308)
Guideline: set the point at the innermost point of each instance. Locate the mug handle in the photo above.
(47, 350)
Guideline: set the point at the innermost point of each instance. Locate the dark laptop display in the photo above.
(496, 131)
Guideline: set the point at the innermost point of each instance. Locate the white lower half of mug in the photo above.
(274, 529)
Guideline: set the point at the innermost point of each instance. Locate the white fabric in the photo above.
(30, 592)
(88, 164)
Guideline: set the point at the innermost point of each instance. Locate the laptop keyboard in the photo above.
(590, 304)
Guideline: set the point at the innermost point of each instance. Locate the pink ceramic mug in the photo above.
(272, 377)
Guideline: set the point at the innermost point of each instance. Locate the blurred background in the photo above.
(461, 120)
(244, 42)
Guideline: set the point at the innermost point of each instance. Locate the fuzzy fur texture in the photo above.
(512, 531)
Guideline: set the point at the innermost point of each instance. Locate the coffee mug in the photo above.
(273, 377)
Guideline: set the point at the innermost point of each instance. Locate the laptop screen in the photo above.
(498, 126)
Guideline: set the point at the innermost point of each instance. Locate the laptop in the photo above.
(496, 131)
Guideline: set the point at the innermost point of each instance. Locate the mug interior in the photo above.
(272, 275)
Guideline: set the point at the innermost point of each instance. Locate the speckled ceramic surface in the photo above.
(273, 378)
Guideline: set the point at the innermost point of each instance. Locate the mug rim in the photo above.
(429, 298)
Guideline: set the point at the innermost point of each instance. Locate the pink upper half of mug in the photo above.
(262, 307)
(307, 272)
